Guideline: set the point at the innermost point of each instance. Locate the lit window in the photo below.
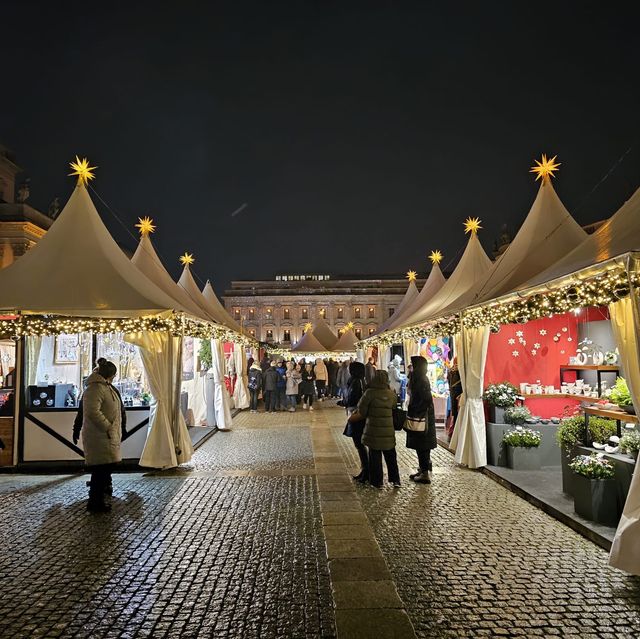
(323, 313)
(305, 313)
(269, 334)
(372, 331)
(358, 332)
(372, 311)
(287, 336)
(251, 313)
(285, 313)
(356, 312)
(340, 313)
(253, 332)
(236, 312)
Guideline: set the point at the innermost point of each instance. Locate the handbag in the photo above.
(399, 418)
(416, 424)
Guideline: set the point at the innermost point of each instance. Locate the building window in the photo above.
(268, 314)
(286, 314)
(391, 311)
(269, 335)
(358, 332)
(323, 313)
(236, 313)
(372, 331)
(253, 332)
(340, 313)
(305, 313)
(372, 311)
(356, 312)
(251, 313)
(287, 336)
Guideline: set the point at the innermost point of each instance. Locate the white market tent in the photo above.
(324, 334)
(221, 314)
(347, 342)
(410, 294)
(309, 343)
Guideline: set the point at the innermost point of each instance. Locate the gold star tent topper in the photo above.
(187, 259)
(545, 168)
(349, 326)
(307, 327)
(412, 276)
(435, 257)
(472, 225)
(145, 225)
(82, 169)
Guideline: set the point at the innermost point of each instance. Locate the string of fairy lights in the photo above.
(600, 287)
(15, 325)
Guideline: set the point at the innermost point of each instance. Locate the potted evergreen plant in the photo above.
(571, 433)
(523, 448)
(630, 443)
(620, 395)
(595, 496)
(498, 397)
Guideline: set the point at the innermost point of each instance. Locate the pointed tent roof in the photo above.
(77, 269)
(620, 234)
(221, 312)
(146, 259)
(188, 284)
(431, 287)
(347, 342)
(324, 334)
(308, 343)
(472, 266)
(410, 294)
(546, 235)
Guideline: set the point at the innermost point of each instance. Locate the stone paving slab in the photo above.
(352, 548)
(351, 506)
(359, 569)
(347, 531)
(354, 595)
(374, 624)
(354, 519)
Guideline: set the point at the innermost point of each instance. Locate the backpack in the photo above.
(253, 383)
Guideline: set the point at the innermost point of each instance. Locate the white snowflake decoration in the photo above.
(536, 345)
(519, 333)
(543, 331)
(512, 341)
(534, 351)
(515, 353)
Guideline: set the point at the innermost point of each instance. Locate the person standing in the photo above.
(355, 429)
(342, 380)
(307, 387)
(370, 371)
(455, 390)
(254, 383)
(332, 371)
(421, 411)
(320, 371)
(293, 378)
(281, 394)
(376, 407)
(396, 378)
(270, 385)
(101, 432)
(265, 362)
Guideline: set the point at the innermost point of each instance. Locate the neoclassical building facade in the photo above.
(277, 310)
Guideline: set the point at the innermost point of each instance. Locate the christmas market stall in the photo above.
(76, 296)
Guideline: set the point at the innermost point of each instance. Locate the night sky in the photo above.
(360, 134)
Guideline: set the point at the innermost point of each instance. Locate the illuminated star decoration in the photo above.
(519, 333)
(435, 257)
(546, 168)
(512, 341)
(412, 276)
(307, 327)
(472, 225)
(82, 169)
(543, 331)
(187, 259)
(145, 225)
(515, 353)
(349, 326)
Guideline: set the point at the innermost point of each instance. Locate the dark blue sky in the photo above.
(361, 134)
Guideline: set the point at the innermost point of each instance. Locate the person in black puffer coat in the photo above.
(421, 408)
(355, 391)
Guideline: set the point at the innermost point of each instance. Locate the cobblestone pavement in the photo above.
(233, 546)
(471, 559)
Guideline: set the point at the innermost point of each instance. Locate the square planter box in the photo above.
(567, 474)
(520, 458)
(496, 415)
(596, 499)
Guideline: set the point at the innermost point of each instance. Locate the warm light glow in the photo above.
(546, 168)
(307, 327)
(349, 326)
(145, 225)
(412, 276)
(472, 225)
(187, 259)
(82, 169)
(436, 256)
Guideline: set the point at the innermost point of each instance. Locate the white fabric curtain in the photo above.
(384, 357)
(33, 348)
(241, 390)
(469, 436)
(168, 443)
(360, 356)
(625, 321)
(411, 348)
(221, 399)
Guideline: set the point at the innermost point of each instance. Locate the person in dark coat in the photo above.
(342, 380)
(254, 384)
(332, 370)
(355, 430)
(370, 371)
(281, 395)
(265, 363)
(455, 390)
(421, 408)
(307, 387)
(376, 407)
(270, 388)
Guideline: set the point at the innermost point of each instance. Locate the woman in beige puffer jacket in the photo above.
(101, 431)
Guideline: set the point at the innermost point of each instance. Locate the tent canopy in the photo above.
(77, 269)
(220, 312)
(410, 294)
(347, 342)
(308, 343)
(324, 334)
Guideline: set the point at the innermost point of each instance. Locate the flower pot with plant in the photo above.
(630, 443)
(620, 395)
(498, 397)
(571, 433)
(516, 415)
(145, 398)
(595, 495)
(523, 448)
